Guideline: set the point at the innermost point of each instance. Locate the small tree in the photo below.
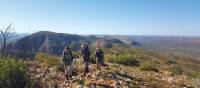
(6, 34)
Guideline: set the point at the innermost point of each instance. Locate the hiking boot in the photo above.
(99, 68)
(67, 77)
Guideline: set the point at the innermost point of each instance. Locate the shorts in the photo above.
(67, 62)
(100, 60)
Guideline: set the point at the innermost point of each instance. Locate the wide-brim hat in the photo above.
(83, 45)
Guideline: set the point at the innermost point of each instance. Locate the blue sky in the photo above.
(122, 17)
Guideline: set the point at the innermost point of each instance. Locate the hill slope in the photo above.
(48, 73)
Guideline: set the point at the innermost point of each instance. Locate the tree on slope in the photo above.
(5, 35)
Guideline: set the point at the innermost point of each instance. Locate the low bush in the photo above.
(124, 59)
(194, 75)
(47, 60)
(171, 61)
(176, 71)
(148, 66)
(76, 54)
(40, 57)
(13, 73)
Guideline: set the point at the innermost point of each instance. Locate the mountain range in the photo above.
(51, 42)
(54, 43)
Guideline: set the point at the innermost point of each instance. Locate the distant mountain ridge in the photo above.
(185, 46)
(51, 42)
(180, 45)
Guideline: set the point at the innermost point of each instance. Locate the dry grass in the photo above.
(47, 60)
(148, 66)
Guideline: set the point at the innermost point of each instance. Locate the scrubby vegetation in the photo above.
(47, 60)
(194, 75)
(176, 71)
(125, 59)
(171, 61)
(148, 66)
(13, 73)
(151, 61)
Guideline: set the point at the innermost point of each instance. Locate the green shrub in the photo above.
(171, 61)
(148, 66)
(76, 54)
(125, 59)
(176, 71)
(47, 60)
(81, 82)
(194, 75)
(13, 73)
(40, 57)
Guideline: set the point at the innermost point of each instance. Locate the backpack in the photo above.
(85, 51)
(99, 54)
(67, 55)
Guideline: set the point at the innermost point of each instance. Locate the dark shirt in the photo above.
(99, 54)
(85, 52)
(67, 55)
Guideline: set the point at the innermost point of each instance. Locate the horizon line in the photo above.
(147, 35)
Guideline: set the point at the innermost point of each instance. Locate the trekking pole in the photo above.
(75, 60)
(95, 60)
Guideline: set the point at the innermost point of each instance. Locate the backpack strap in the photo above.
(67, 55)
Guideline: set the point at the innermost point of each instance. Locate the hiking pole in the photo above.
(75, 60)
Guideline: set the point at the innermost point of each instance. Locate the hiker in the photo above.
(99, 55)
(67, 60)
(85, 55)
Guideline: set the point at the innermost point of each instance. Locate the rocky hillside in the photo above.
(108, 77)
(125, 68)
(111, 76)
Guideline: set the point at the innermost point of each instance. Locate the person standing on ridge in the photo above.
(99, 55)
(67, 59)
(85, 55)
